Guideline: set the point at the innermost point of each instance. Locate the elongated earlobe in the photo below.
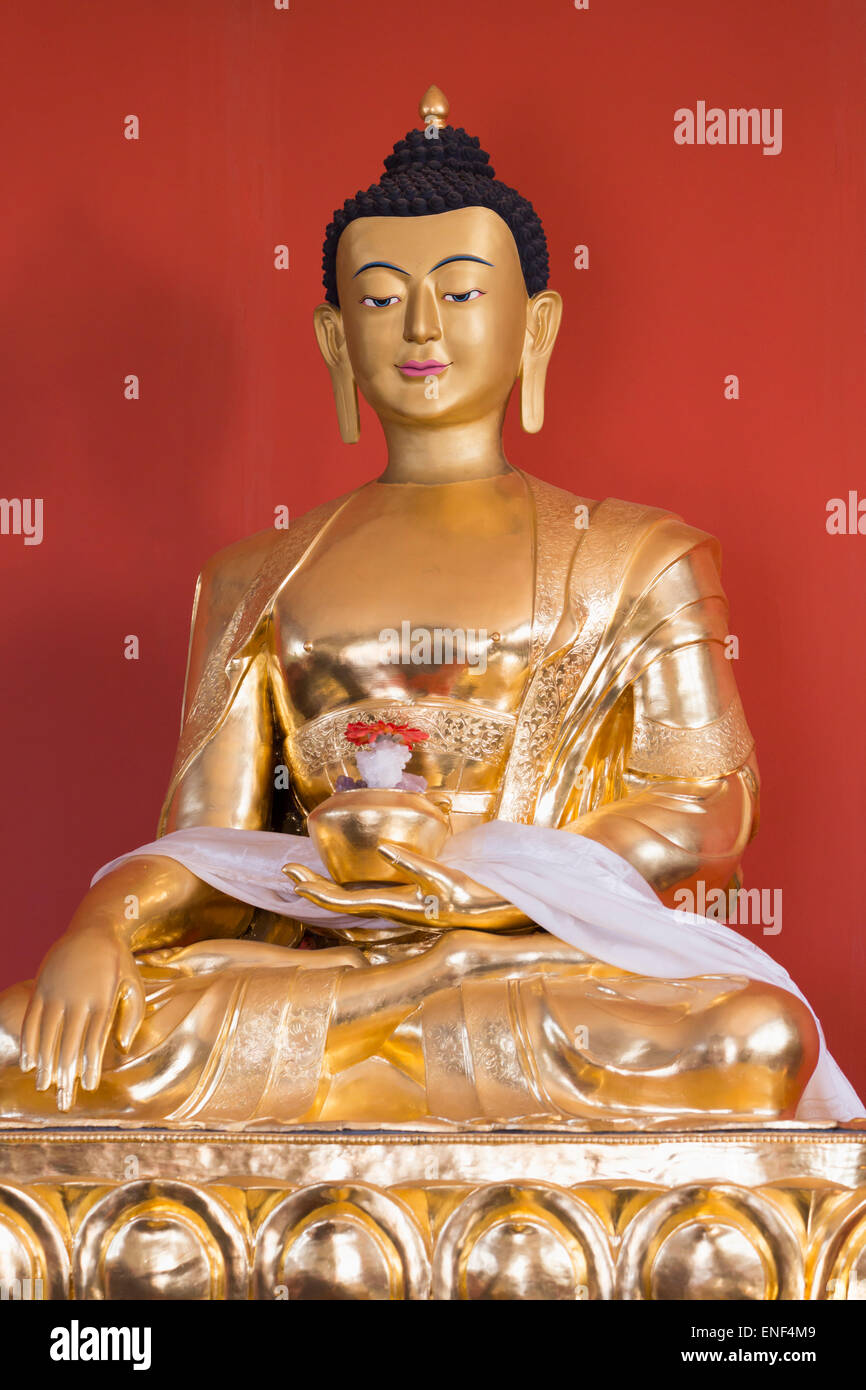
(542, 325)
(532, 379)
(328, 325)
(346, 401)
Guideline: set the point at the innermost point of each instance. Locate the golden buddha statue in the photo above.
(591, 726)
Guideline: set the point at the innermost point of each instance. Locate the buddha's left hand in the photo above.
(434, 896)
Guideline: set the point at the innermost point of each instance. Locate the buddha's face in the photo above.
(435, 313)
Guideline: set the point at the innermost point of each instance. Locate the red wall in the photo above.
(156, 257)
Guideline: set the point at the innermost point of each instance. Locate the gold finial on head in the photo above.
(433, 107)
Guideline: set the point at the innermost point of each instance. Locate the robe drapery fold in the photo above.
(220, 1046)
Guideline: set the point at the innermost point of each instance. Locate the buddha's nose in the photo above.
(421, 323)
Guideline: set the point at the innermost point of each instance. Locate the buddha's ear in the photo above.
(543, 317)
(328, 325)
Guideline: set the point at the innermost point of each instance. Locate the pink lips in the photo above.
(431, 368)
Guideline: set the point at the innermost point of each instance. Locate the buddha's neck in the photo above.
(444, 454)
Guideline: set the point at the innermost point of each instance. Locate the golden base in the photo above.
(107, 1214)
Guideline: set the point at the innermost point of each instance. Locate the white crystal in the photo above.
(381, 764)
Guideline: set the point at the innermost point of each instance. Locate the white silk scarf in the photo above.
(573, 887)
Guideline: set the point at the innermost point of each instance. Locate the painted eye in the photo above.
(373, 303)
(464, 298)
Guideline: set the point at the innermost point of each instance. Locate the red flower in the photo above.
(363, 733)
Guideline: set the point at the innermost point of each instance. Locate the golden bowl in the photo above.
(348, 828)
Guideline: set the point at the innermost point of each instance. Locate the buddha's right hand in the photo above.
(86, 984)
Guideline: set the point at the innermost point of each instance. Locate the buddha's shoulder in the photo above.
(634, 523)
(237, 565)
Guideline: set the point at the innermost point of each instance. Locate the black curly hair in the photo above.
(424, 176)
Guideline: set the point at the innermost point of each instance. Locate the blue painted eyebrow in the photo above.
(448, 260)
(370, 265)
(389, 265)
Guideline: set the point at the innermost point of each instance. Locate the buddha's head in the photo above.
(436, 289)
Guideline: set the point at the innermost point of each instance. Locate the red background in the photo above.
(156, 257)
